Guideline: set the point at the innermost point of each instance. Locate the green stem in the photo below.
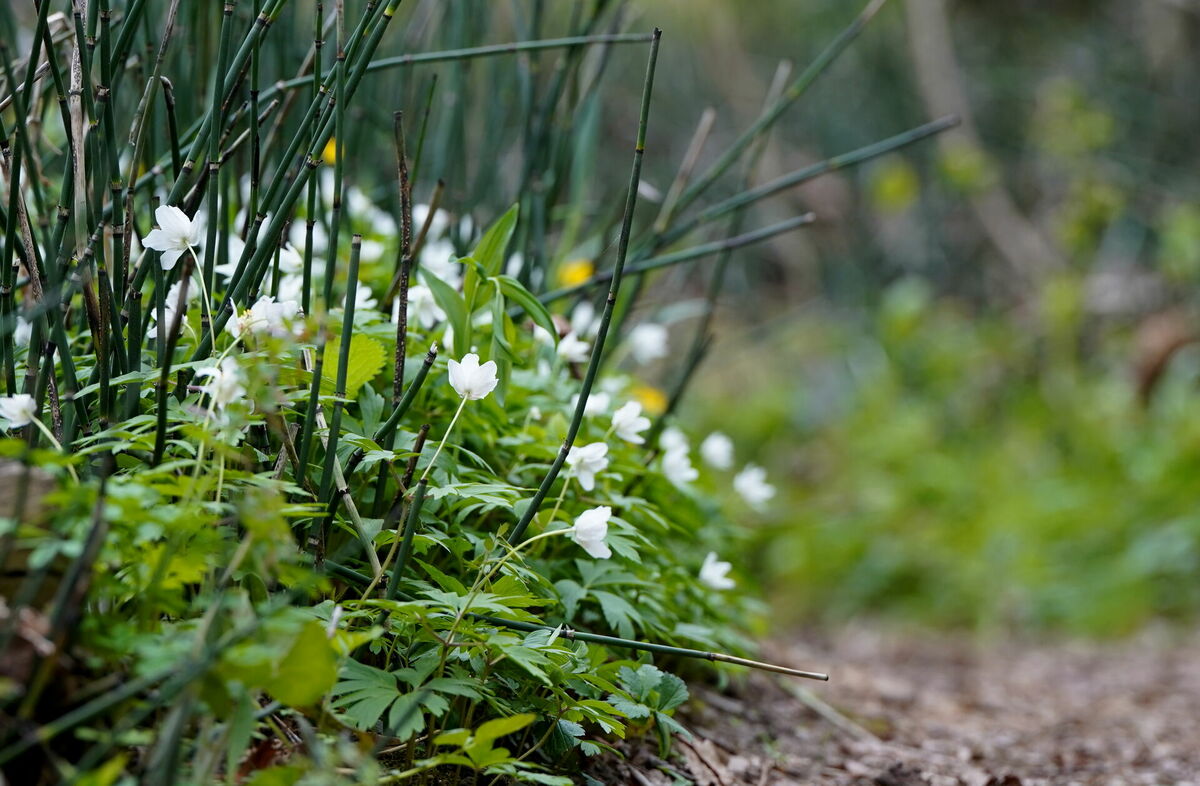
(614, 289)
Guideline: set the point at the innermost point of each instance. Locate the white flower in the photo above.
(590, 530)
(572, 349)
(648, 342)
(471, 380)
(423, 309)
(672, 439)
(363, 299)
(677, 468)
(535, 412)
(586, 461)
(170, 305)
(23, 332)
(437, 260)
(176, 233)
(717, 450)
(371, 251)
(715, 573)
(18, 410)
(512, 268)
(438, 224)
(629, 424)
(584, 321)
(265, 316)
(291, 287)
(597, 403)
(225, 382)
(752, 484)
(234, 249)
(291, 261)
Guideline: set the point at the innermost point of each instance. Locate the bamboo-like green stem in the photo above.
(598, 349)
(647, 646)
(701, 339)
(685, 255)
(405, 254)
(410, 528)
(793, 179)
(383, 434)
(339, 391)
(769, 116)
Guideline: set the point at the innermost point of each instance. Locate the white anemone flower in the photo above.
(291, 261)
(715, 573)
(176, 233)
(423, 308)
(597, 404)
(752, 484)
(438, 224)
(678, 469)
(586, 461)
(573, 349)
(590, 530)
(672, 439)
(291, 288)
(265, 316)
(437, 260)
(584, 321)
(23, 332)
(170, 305)
(19, 410)
(628, 423)
(364, 299)
(717, 450)
(648, 342)
(225, 382)
(470, 379)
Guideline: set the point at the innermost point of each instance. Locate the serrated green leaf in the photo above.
(367, 358)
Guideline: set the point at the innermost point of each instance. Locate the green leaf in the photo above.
(364, 694)
(367, 358)
(570, 593)
(642, 682)
(617, 612)
(630, 709)
(492, 246)
(307, 672)
(672, 692)
(455, 307)
(405, 718)
(494, 729)
(514, 291)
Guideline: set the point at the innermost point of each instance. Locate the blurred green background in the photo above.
(974, 382)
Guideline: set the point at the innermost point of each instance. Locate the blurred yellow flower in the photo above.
(329, 154)
(575, 272)
(651, 398)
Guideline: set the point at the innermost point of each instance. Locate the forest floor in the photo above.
(908, 708)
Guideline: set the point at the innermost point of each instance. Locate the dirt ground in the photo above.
(903, 709)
